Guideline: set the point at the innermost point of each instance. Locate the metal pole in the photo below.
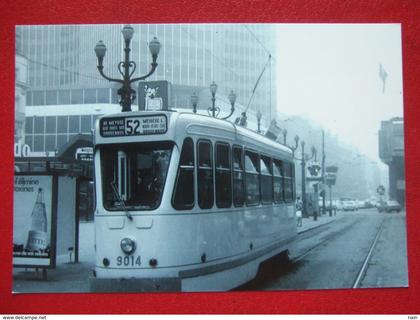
(126, 92)
(330, 201)
(304, 213)
(213, 109)
(323, 172)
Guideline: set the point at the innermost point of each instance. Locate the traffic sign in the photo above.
(380, 190)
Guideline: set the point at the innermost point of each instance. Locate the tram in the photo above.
(187, 202)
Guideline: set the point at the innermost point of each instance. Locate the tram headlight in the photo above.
(128, 245)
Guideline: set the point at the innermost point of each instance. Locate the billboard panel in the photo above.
(32, 220)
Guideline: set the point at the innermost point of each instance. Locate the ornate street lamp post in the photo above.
(213, 110)
(127, 67)
(293, 148)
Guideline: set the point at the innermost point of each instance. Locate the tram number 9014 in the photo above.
(128, 261)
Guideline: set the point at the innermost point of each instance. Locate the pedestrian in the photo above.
(299, 206)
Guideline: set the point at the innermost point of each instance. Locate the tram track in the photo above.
(326, 239)
(365, 264)
(274, 269)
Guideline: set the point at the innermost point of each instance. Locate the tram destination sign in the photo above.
(133, 126)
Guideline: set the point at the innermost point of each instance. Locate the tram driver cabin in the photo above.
(187, 202)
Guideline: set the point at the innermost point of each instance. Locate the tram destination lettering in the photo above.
(133, 126)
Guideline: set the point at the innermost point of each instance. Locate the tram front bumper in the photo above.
(134, 284)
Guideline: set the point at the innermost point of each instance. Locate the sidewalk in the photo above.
(73, 277)
(310, 223)
(67, 276)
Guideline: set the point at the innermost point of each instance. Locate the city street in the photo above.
(328, 254)
(333, 255)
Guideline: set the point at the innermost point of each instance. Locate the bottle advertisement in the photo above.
(32, 220)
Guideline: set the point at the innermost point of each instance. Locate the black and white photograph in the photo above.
(208, 157)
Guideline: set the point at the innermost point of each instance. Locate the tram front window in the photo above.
(134, 175)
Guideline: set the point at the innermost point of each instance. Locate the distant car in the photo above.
(349, 205)
(389, 206)
(369, 204)
(338, 204)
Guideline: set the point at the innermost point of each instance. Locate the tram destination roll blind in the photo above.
(133, 126)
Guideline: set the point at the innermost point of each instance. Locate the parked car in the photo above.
(349, 205)
(389, 206)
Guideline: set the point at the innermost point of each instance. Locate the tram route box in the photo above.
(154, 95)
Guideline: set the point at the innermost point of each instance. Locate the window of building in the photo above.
(29, 141)
(29, 98)
(278, 181)
(238, 177)
(252, 181)
(62, 124)
(85, 124)
(183, 196)
(115, 98)
(61, 140)
(205, 174)
(38, 98)
(29, 125)
(266, 180)
(223, 175)
(63, 96)
(76, 96)
(288, 182)
(103, 96)
(74, 124)
(50, 124)
(38, 143)
(39, 125)
(51, 97)
(50, 142)
(90, 96)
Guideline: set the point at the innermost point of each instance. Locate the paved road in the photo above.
(345, 240)
(336, 252)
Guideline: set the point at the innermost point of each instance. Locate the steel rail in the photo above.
(363, 269)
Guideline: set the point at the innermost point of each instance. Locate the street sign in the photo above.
(273, 131)
(313, 171)
(380, 190)
(330, 178)
(332, 169)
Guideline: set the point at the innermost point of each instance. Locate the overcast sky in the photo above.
(330, 73)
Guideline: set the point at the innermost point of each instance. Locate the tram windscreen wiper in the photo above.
(120, 200)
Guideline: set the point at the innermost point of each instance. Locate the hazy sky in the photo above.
(330, 73)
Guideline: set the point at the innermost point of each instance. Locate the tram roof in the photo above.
(190, 123)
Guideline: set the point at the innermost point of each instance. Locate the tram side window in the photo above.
(238, 177)
(223, 176)
(252, 181)
(183, 196)
(266, 180)
(278, 181)
(288, 182)
(205, 175)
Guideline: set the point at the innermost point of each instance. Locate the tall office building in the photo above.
(62, 71)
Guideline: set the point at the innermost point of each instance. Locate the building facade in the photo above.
(62, 69)
(21, 87)
(391, 152)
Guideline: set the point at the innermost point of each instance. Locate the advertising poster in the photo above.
(32, 220)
